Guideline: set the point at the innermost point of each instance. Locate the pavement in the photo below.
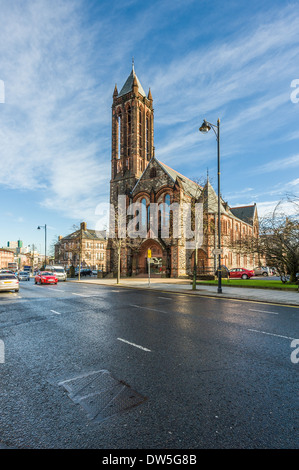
(184, 286)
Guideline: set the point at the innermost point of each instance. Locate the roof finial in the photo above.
(133, 64)
(207, 175)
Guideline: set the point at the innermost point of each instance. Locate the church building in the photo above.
(138, 176)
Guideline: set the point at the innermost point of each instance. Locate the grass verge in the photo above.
(257, 284)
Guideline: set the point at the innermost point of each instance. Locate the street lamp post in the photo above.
(205, 127)
(45, 227)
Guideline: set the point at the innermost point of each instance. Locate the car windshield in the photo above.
(46, 273)
(6, 276)
(59, 270)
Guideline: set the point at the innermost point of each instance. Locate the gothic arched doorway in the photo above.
(157, 261)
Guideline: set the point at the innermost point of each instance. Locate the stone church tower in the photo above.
(132, 136)
(141, 178)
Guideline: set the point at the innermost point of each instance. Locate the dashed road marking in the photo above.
(133, 344)
(263, 311)
(148, 308)
(270, 334)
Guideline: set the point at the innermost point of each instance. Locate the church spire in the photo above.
(149, 96)
(115, 93)
(128, 86)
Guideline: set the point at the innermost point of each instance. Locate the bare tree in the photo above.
(278, 240)
(120, 243)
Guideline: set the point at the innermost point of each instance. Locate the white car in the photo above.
(59, 272)
(24, 276)
(9, 282)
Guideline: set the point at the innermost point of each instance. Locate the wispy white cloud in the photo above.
(60, 63)
(279, 164)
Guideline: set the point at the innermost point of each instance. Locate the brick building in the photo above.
(139, 177)
(93, 245)
(6, 256)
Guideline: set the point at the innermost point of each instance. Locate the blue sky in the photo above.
(60, 60)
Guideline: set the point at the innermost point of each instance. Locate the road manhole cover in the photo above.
(101, 395)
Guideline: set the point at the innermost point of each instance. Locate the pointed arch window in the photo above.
(118, 135)
(140, 131)
(143, 213)
(160, 212)
(129, 129)
(166, 211)
(148, 217)
(153, 173)
(147, 138)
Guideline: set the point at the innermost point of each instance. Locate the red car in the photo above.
(240, 273)
(45, 277)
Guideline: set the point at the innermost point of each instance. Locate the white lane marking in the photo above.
(59, 290)
(263, 311)
(133, 344)
(86, 295)
(271, 334)
(148, 308)
(166, 298)
(54, 311)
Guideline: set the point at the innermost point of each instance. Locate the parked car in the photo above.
(24, 276)
(262, 271)
(7, 271)
(240, 273)
(45, 277)
(9, 281)
(59, 272)
(84, 272)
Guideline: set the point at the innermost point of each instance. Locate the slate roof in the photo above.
(207, 195)
(189, 186)
(210, 201)
(245, 213)
(88, 234)
(128, 86)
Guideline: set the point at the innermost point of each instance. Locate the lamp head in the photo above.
(205, 127)
(38, 228)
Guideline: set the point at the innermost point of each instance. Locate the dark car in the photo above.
(84, 272)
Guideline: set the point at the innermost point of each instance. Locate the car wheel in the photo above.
(16, 290)
(265, 274)
(35, 282)
(244, 276)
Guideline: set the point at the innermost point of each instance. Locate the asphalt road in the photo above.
(89, 366)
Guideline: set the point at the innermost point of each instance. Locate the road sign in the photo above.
(149, 253)
(218, 251)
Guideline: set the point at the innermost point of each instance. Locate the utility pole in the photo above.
(33, 258)
(80, 253)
